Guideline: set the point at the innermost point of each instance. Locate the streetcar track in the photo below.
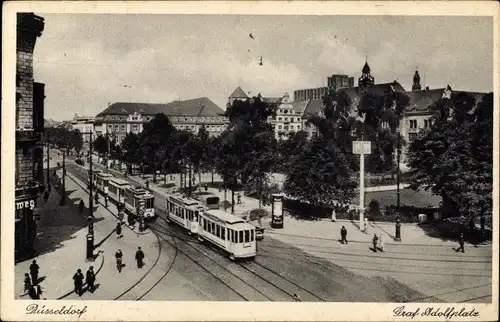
(149, 270)
(450, 292)
(189, 242)
(205, 269)
(282, 277)
(475, 298)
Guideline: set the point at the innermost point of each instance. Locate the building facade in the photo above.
(84, 124)
(121, 118)
(29, 176)
(288, 119)
(335, 82)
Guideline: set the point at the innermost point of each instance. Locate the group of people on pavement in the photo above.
(78, 279)
(378, 241)
(139, 258)
(31, 282)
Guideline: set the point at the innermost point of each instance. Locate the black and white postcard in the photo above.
(249, 160)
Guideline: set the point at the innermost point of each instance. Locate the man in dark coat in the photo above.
(375, 241)
(139, 257)
(78, 281)
(119, 230)
(90, 279)
(34, 272)
(343, 235)
(27, 283)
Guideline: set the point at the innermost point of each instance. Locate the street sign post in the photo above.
(361, 148)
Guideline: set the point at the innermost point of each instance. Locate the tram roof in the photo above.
(119, 181)
(224, 216)
(186, 201)
(104, 175)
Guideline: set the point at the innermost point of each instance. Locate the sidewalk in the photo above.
(58, 265)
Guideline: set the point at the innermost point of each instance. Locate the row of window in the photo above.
(287, 127)
(181, 212)
(414, 125)
(285, 119)
(234, 236)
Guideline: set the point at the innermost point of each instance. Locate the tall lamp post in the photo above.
(398, 160)
(90, 217)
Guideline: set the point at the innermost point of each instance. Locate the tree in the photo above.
(454, 157)
(100, 145)
(130, 150)
(156, 134)
(321, 175)
(251, 144)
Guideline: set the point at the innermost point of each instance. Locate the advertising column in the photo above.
(277, 211)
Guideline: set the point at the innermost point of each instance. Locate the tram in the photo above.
(184, 212)
(228, 232)
(117, 190)
(138, 200)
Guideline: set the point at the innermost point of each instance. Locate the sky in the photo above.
(90, 60)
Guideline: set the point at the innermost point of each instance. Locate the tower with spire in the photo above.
(416, 82)
(366, 80)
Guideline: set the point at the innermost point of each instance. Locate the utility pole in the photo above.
(398, 159)
(361, 148)
(63, 192)
(90, 218)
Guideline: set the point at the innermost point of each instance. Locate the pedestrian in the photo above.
(334, 215)
(34, 268)
(27, 283)
(343, 235)
(296, 297)
(366, 225)
(375, 240)
(482, 222)
(381, 242)
(139, 257)
(118, 230)
(119, 258)
(81, 206)
(78, 281)
(90, 279)
(106, 201)
(96, 197)
(121, 215)
(239, 199)
(461, 243)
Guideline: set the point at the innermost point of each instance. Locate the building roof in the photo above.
(299, 107)
(194, 107)
(313, 107)
(238, 93)
(421, 100)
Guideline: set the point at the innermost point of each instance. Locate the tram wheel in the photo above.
(231, 257)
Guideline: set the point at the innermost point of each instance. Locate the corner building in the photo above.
(29, 177)
(121, 118)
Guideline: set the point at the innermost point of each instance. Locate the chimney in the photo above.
(426, 88)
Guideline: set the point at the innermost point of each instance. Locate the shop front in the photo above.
(25, 226)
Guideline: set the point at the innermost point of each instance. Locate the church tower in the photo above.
(416, 82)
(366, 80)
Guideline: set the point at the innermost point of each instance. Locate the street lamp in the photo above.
(90, 217)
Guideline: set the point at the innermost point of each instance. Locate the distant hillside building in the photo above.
(84, 124)
(121, 118)
(334, 82)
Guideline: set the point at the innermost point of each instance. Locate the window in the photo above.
(413, 124)
(123, 127)
(291, 127)
(240, 236)
(110, 127)
(280, 126)
(117, 127)
(412, 136)
(298, 127)
(223, 233)
(426, 124)
(279, 118)
(251, 235)
(247, 236)
(286, 119)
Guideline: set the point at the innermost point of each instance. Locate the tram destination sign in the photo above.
(361, 147)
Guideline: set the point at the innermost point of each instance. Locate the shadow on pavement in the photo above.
(450, 231)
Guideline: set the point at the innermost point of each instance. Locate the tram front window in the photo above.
(149, 203)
